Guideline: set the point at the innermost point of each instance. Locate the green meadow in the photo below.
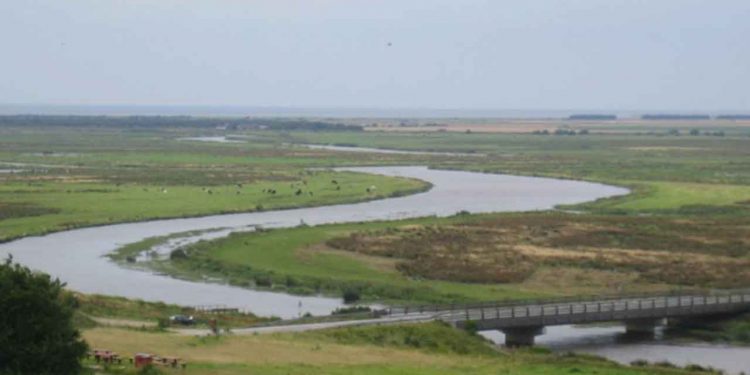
(425, 349)
(70, 178)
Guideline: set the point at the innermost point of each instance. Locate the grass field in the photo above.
(424, 349)
(597, 157)
(45, 206)
(485, 257)
(65, 178)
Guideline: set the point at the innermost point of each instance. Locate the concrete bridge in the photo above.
(522, 321)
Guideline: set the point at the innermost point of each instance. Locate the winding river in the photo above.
(77, 257)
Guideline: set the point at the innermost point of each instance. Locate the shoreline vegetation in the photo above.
(406, 261)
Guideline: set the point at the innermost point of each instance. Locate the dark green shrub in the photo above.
(263, 281)
(351, 295)
(37, 335)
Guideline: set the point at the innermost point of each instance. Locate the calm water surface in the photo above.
(612, 343)
(387, 151)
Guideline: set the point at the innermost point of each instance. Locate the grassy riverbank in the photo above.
(734, 330)
(107, 311)
(482, 257)
(70, 178)
(422, 349)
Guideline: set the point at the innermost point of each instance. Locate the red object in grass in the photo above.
(143, 359)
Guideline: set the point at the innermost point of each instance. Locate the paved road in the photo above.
(410, 318)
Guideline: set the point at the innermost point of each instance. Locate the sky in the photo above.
(685, 55)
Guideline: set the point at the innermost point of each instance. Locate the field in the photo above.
(515, 126)
(86, 177)
(424, 349)
(486, 257)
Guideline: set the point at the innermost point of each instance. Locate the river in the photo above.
(77, 257)
(611, 342)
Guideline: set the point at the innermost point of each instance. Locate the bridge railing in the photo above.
(436, 308)
(603, 309)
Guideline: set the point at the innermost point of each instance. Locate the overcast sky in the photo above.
(463, 54)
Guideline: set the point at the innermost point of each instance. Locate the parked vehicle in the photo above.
(185, 320)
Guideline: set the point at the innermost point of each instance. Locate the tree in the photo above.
(37, 335)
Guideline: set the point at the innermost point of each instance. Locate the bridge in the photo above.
(522, 321)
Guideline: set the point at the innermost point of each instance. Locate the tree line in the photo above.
(174, 122)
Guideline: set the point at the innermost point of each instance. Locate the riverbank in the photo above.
(48, 207)
(444, 260)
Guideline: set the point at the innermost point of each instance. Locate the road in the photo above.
(293, 327)
(505, 315)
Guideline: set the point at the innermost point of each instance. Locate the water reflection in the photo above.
(613, 343)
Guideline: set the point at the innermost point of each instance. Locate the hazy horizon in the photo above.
(330, 112)
(436, 55)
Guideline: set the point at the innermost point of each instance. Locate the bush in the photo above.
(263, 281)
(177, 254)
(37, 335)
(471, 327)
(163, 323)
(351, 310)
(351, 296)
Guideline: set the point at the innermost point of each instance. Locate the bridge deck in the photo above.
(498, 316)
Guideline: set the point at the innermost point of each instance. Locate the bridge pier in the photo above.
(521, 336)
(641, 327)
